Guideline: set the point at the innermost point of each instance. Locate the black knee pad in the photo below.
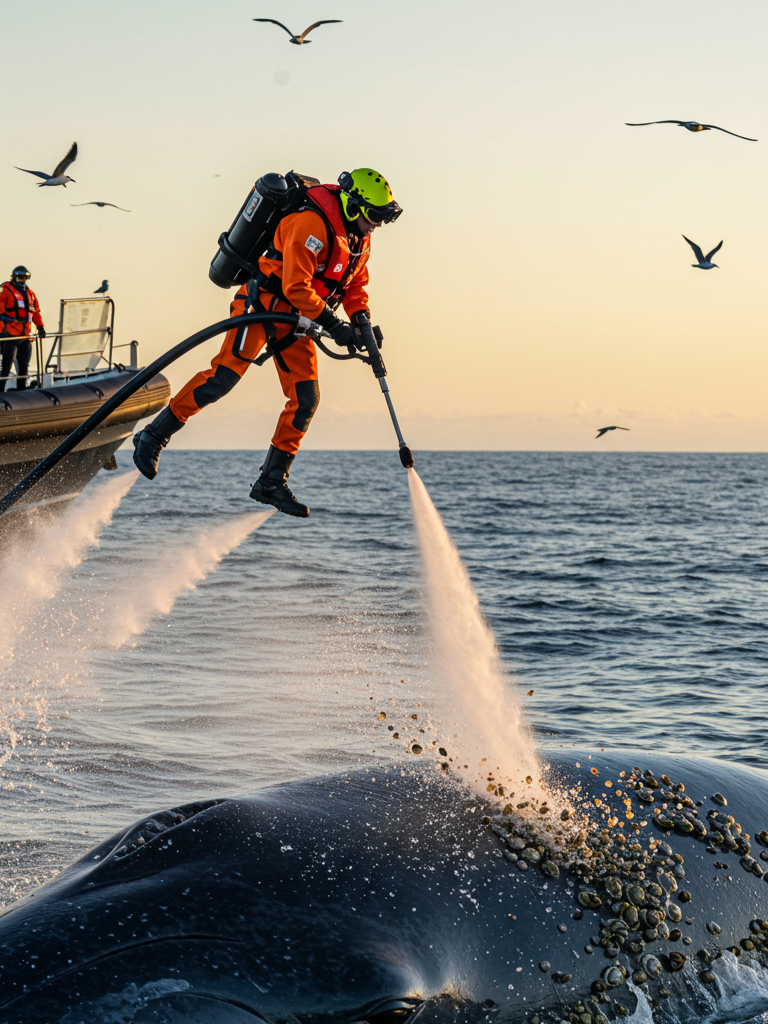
(220, 384)
(308, 394)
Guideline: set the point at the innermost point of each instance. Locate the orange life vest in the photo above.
(17, 309)
(330, 278)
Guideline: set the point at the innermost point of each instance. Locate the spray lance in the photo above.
(371, 339)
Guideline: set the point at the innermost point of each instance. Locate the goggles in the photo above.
(22, 277)
(381, 214)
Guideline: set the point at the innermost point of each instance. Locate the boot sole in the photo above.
(136, 439)
(267, 501)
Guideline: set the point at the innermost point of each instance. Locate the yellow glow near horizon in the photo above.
(537, 285)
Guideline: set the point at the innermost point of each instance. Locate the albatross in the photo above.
(705, 262)
(604, 430)
(303, 37)
(58, 177)
(692, 126)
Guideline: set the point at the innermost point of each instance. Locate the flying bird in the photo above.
(692, 126)
(604, 430)
(303, 37)
(705, 262)
(97, 203)
(58, 177)
(104, 288)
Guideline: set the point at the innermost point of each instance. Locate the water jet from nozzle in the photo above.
(479, 713)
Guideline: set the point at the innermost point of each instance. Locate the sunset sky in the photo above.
(537, 285)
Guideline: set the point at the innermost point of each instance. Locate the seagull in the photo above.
(97, 203)
(705, 262)
(692, 126)
(104, 288)
(303, 37)
(604, 430)
(58, 177)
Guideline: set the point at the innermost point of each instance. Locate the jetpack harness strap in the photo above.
(273, 347)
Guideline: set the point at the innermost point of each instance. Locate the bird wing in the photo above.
(639, 124)
(273, 22)
(328, 21)
(621, 428)
(696, 250)
(40, 174)
(602, 430)
(68, 159)
(94, 202)
(717, 247)
(728, 133)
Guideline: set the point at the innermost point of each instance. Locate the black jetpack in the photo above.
(273, 197)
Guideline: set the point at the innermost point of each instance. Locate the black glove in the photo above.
(41, 332)
(342, 333)
(361, 316)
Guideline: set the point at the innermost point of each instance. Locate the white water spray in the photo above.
(480, 716)
(55, 647)
(151, 589)
(33, 572)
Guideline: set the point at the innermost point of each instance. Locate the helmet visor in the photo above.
(22, 277)
(381, 214)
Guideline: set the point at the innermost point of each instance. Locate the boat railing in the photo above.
(91, 321)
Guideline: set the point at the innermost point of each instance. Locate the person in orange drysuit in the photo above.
(19, 309)
(317, 260)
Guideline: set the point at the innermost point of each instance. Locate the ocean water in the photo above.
(199, 647)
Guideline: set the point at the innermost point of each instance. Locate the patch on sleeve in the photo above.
(314, 244)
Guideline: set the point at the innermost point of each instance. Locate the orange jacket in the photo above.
(310, 256)
(19, 309)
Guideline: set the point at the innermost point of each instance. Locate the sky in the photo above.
(537, 285)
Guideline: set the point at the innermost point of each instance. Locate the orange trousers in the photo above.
(299, 384)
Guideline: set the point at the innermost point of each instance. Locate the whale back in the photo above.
(385, 892)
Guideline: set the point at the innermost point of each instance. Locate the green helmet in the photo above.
(366, 191)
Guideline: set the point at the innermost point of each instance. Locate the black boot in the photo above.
(271, 488)
(149, 442)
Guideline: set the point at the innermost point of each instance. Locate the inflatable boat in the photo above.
(63, 389)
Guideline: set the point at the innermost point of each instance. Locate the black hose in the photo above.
(337, 355)
(133, 385)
